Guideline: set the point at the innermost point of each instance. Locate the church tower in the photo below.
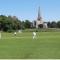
(39, 22)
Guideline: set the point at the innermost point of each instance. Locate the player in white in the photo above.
(34, 35)
(15, 33)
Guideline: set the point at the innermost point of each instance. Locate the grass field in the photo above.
(45, 46)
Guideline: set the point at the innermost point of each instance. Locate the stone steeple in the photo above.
(39, 22)
(39, 14)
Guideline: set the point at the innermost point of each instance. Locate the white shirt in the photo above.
(15, 33)
(34, 33)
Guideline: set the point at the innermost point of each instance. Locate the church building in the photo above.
(39, 22)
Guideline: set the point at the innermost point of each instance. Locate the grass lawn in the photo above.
(45, 46)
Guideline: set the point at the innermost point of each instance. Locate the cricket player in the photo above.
(15, 33)
(34, 35)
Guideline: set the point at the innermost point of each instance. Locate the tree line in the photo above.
(53, 24)
(11, 23)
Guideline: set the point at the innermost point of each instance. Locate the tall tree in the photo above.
(53, 24)
(9, 23)
(49, 25)
(58, 24)
(27, 24)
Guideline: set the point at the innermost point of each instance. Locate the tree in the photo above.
(53, 24)
(22, 25)
(9, 23)
(49, 24)
(27, 24)
(58, 24)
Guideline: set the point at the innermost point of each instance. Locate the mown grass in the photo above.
(45, 46)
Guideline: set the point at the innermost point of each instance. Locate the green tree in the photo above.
(9, 23)
(49, 24)
(27, 24)
(58, 24)
(53, 24)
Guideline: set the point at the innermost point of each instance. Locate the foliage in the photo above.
(53, 24)
(58, 24)
(26, 24)
(9, 23)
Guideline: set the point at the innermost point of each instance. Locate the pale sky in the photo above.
(28, 9)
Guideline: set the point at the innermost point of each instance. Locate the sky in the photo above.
(28, 9)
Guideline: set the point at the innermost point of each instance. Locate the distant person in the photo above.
(15, 33)
(34, 35)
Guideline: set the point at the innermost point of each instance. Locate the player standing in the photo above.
(34, 35)
(15, 33)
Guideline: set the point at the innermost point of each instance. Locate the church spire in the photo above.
(39, 14)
